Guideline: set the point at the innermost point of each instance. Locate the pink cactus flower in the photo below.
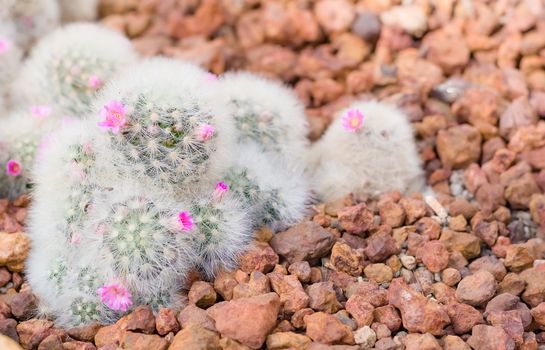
(114, 116)
(206, 131)
(40, 112)
(94, 82)
(101, 229)
(76, 239)
(115, 296)
(221, 188)
(353, 120)
(5, 45)
(211, 76)
(185, 220)
(14, 168)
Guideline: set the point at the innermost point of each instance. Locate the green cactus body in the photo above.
(85, 311)
(257, 125)
(78, 77)
(164, 140)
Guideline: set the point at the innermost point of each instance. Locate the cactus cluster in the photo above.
(142, 174)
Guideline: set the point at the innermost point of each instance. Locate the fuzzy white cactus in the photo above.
(32, 18)
(21, 136)
(78, 10)
(368, 150)
(163, 121)
(67, 68)
(10, 61)
(265, 113)
(278, 194)
(218, 227)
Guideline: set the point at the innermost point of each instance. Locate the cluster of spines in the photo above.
(167, 142)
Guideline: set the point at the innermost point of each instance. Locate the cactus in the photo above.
(276, 194)
(10, 60)
(218, 228)
(32, 19)
(368, 150)
(78, 10)
(265, 113)
(160, 117)
(21, 134)
(68, 67)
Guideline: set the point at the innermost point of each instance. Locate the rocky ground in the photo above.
(463, 272)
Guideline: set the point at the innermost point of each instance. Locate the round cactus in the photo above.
(368, 150)
(67, 68)
(277, 194)
(265, 113)
(32, 18)
(217, 226)
(161, 119)
(21, 135)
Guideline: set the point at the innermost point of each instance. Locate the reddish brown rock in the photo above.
(166, 322)
(345, 259)
(491, 264)
(257, 284)
(194, 337)
(452, 342)
(380, 247)
(464, 317)
(490, 338)
(8, 328)
(476, 289)
(334, 16)
(290, 290)
(139, 341)
(392, 214)
(322, 297)
(534, 293)
(446, 48)
(141, 320)
(414, 209)
(23, 305)
(14, 249)
(389, 316)
(260, 257)
(421, 341)
(192, 314)
(519, 191)
(247, 320)
(360, 309)
(379, 273)
(301, 269)
(327, 329)
(287, 340)
(304, 241)
(417, 312)
(356, 219)
(435, 256)
(370, 291)
(466, 244)
(32, 332)
(518, 257)
(224, 284)
(202, 294)
(459, 146)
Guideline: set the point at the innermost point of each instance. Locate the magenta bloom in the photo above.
(185, 220)
(221, 188)
(352, 120)
(40, 112)
(4, 46)
(115, 296)
(211, 76)
(206, 131)
(14, 168)
(114, 116)
(76, 239)
(94, 82)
